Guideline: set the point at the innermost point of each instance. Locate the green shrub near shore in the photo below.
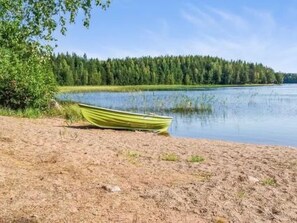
(26, 80)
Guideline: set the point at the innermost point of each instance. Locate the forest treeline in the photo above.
(290, 78)
(71, 69)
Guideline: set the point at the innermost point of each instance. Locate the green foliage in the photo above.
(26, 29)
(27, 20)
(168, 70)
(26, 80)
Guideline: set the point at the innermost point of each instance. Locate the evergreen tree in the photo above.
(72, 69)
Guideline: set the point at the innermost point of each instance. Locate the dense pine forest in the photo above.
(71, 69)
(290, 78)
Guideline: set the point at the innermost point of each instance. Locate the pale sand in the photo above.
(51, 172)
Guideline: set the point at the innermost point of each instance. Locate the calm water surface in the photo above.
(262, 115)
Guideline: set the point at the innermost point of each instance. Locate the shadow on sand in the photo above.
(95, 127)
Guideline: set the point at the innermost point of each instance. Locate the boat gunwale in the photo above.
(125, 112)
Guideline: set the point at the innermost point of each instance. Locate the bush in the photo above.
(26, 80)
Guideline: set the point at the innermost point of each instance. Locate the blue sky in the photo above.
(262, 31)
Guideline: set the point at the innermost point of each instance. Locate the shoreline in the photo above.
(132, 88)
(55, 172)
(237, 142)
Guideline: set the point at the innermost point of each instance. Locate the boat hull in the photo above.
(115, 119)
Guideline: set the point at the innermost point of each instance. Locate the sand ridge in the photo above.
(51, 171)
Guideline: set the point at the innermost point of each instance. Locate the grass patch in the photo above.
(132, 156)
(202, 176)
(241, 194)
(195, 159)
(69, 111)
(24, 113)
(269, 182)
(170, 157)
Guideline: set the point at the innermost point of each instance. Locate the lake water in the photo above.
(262, 115)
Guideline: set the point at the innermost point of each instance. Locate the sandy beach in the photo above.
(53, 171)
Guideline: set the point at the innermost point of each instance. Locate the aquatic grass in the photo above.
(187, 104)
(178, 103)
(189, 108)
(195, 159)
(170, 157)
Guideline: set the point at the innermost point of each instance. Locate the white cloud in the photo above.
(198, 18)
(251, 35)
(232, 19)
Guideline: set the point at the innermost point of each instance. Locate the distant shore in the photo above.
(53, 171)
(65, 89)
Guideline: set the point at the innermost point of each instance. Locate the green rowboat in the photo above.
(115, 119)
